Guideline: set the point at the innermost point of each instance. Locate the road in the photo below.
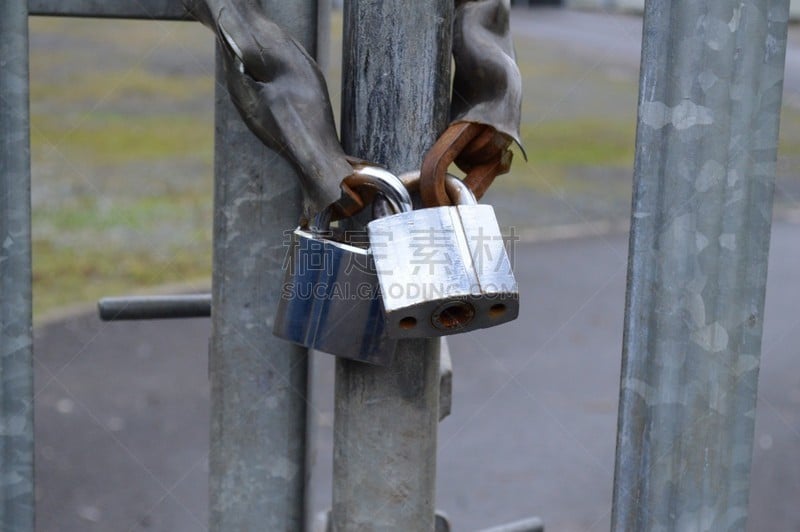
(617, 39)
(122, 409)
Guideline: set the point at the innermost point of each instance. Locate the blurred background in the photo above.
(122, 147)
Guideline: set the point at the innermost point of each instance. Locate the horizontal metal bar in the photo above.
(441, 522)
(134, 9)
(532, 524)
(154, 307)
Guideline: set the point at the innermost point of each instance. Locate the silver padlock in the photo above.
(443, 270)
(330, 300)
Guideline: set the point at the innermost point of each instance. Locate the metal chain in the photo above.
(486, 106)
(282, 97)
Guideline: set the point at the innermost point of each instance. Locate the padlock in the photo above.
(330, 300)
(443, 270)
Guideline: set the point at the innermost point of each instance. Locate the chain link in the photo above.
(282, 96)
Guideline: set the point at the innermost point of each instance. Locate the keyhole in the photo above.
(453, 315)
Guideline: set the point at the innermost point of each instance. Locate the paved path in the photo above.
(121, 411)
(617, 40)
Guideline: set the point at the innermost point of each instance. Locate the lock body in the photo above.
(330, 300)
(443, 270)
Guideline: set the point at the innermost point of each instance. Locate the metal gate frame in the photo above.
(706, 150)
(258, 463)
(255, 202)
(709, 108)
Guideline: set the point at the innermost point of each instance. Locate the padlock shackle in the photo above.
(368, 181)
(382, 181)
(457, 190)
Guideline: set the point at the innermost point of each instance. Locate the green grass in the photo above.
(152, 213)
(127, 83)
(790, 133)
(122, 152)
(84, 250)
(579, 142)
(113, 138)
(68, 275)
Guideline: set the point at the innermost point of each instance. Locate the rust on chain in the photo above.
(438, 159)
(486, 105)
(487, 85)
(351, 202)
(481, 176)
(282, 97)
(358, 191)
(477, 149)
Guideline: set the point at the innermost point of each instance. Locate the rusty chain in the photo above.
(282, 96)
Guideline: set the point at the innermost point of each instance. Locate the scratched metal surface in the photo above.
(710, 96)
(394, 103)
(16, 371)
(258, 381)
(141, 9)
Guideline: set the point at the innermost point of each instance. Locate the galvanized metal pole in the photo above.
(134, 9)
(16, 356)
(258, 382)
(710, 98)
(396, 73)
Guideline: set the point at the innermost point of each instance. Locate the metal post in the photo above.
(710, 97)
(135, 9)
(395, 101)
(16, 357)
(258, 382)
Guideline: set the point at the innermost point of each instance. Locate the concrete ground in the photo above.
(122, 409)
(615, 40)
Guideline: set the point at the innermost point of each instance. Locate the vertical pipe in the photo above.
(16, 357)
(258, 382)
(395, 101)
(709, 106)
(323, 52)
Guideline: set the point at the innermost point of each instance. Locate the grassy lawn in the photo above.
(122, 147)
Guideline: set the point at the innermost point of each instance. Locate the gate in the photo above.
(709, 108)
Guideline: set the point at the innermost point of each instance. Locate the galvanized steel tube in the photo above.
(136, 9)
(395, 102)
(258, 382)
(16, 357)
(710, 98)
